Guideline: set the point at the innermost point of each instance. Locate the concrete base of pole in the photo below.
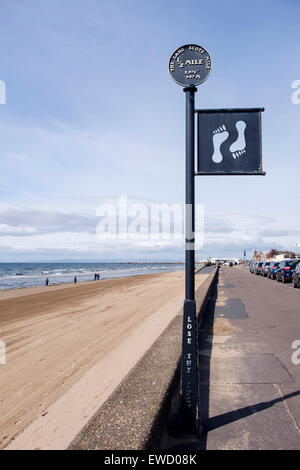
(182, 427)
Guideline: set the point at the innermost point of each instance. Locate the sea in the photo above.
(17, 275)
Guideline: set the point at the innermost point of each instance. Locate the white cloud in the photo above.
(19, 221)
(47, 234)
(62, 160)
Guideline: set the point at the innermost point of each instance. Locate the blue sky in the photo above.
(92, 113)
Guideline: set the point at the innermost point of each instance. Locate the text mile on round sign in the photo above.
(190, 65)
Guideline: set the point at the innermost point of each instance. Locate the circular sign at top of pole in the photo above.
(190, 65)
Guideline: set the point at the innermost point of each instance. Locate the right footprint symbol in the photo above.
(237, 148)
(220, 135)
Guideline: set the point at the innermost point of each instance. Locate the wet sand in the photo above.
(68, 347)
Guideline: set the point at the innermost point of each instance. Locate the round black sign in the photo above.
(190, 65)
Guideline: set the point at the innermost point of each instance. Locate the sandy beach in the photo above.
(68, 347)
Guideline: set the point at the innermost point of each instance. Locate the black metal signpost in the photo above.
(229, 142)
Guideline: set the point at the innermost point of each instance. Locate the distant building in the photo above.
(273, 255)
(280, 257)
(259, 255)
(286, 255)
(223, 260)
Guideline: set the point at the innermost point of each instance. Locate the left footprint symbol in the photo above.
(219, 136)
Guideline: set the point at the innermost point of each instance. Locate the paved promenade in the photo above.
(250, 388)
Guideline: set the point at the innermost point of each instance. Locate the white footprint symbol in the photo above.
(220, 135)
(238, 147)
(238, 154)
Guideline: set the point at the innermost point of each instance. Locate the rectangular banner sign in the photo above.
(229, 141)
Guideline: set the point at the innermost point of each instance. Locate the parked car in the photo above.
(257, 267)
(286, 270)
(272, 270)
(264, 268)
(251, 266)
(296, 276)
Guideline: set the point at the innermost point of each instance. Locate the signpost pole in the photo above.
(190, 193)
(189, 372)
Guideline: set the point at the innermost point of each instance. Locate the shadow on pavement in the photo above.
(226, 418)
